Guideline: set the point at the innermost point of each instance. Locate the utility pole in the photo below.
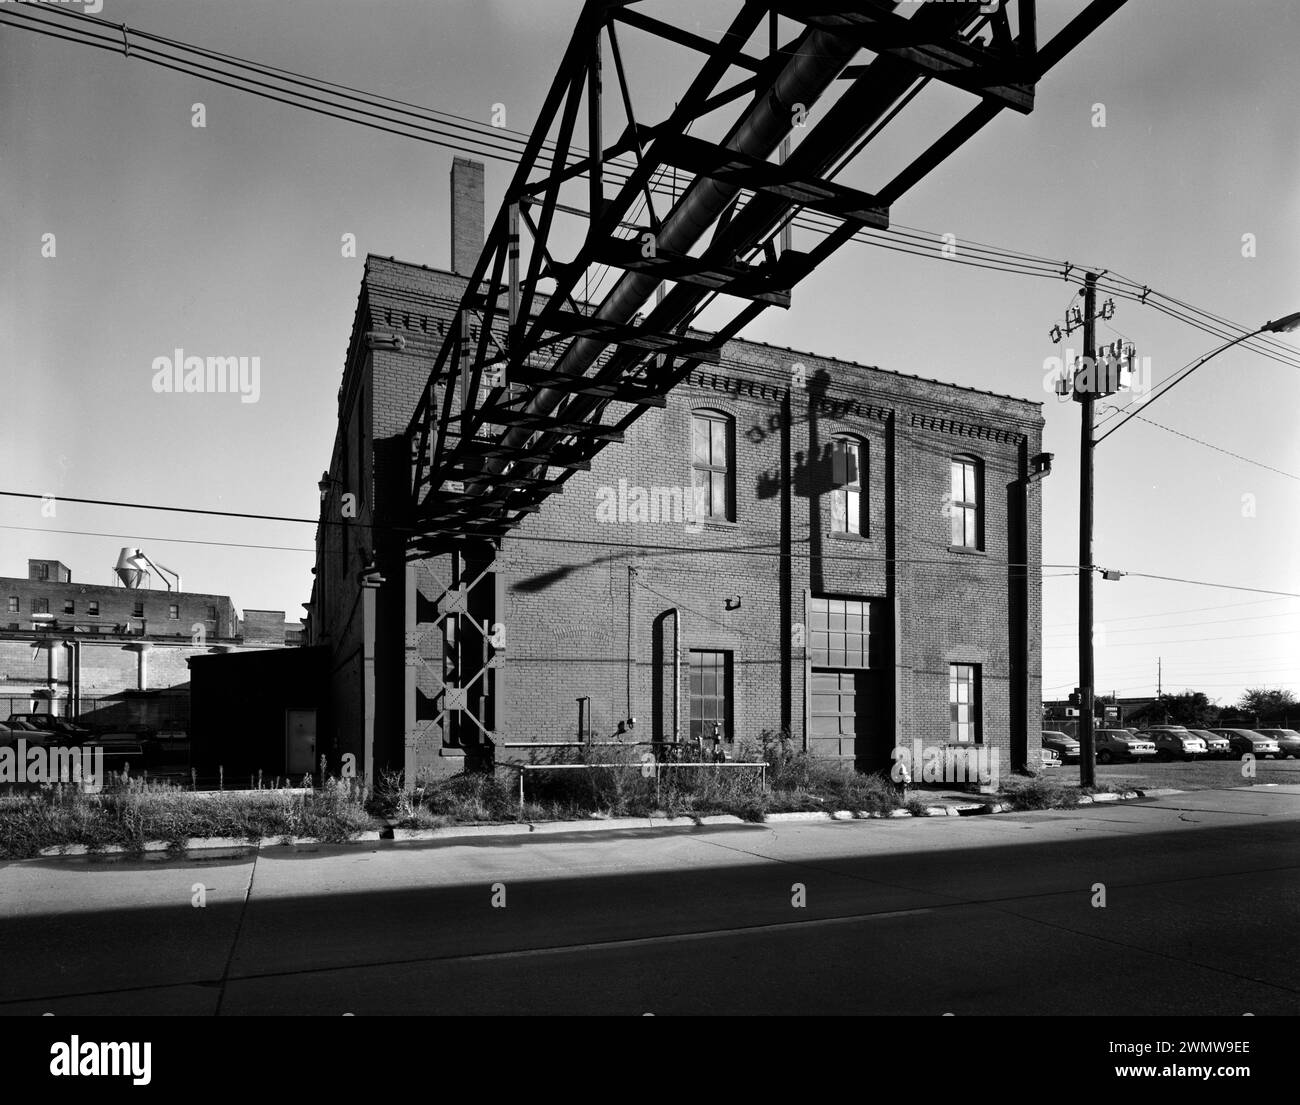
(1093, 378)
(1160, 676)
(1087, 764)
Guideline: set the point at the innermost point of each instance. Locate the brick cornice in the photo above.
(957, 428)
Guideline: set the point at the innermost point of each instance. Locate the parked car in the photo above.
(1064, 745)
(27, 731)
(1247, 740)
(1175, 742)
(1216, 746)
(120, 750)
(1119, 744)
(1049, 757)
(60, 730)
(128, 746)
(1288, 740)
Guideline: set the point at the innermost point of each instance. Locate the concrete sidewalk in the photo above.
(988, 914)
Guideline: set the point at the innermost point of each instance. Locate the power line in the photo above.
(1224, 586)
(759, 550)
(169, 509)
(1216, 448)
(1177, 625)
(1180, 640)
(1187, 610)
(176, 540)
(489, 142)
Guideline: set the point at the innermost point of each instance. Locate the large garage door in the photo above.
(834, 714)
(848, 709)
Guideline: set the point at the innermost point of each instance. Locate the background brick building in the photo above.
(924, 624)
(110, 655)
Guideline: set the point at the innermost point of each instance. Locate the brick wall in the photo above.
(588, 605)
(263, 627)
(116, 607)
(466, 214)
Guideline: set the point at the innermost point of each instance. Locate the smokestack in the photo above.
(467, 221)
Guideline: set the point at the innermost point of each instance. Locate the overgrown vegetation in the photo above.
(564, 784)
(615, 782)
(1041, 792)
(139, 811)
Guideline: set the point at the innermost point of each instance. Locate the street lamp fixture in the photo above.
(1284, 325)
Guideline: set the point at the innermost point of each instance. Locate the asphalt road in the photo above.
(981, 915)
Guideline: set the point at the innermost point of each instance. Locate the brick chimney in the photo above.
(467, 227)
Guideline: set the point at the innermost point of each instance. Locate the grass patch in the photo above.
(140, 812)
(1042, 792)
(612, 784)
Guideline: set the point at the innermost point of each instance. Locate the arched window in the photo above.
(967, 506)
(711, 465)
(848, 481)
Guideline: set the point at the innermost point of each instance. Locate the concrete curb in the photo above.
(549, 828)
(149, 846)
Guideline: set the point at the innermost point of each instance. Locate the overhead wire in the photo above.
(503, 144)
(506, 145)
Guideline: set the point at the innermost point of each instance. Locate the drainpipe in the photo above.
(631, 629)
(677, 675)
(74, 679)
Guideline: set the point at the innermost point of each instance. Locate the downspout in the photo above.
(74, 678)
(677, 675)
(631, 620)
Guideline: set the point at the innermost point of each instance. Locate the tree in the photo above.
(1269, 708)
(1191, 708)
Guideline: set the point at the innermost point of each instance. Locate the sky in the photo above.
(225, 240)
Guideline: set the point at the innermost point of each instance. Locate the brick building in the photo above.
(113, 655)
(859, 564)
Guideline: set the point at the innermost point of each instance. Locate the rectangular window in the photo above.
(69, 606)
(173, 611)
(137, 610)
(40, 606)
(212, 613)
(710, 694)
(965, 503)
(93, 608)
(710, 450)
(964, 703)
(42, 571)
(846, 497)
(839, 632)
(13, 604)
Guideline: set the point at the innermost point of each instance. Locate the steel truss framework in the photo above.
(504, 421)
(459, 654)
